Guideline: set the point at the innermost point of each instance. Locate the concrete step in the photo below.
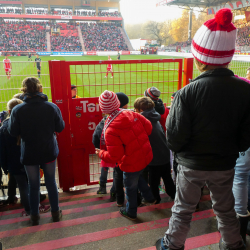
(126, 38)
(81, 38)
(91, 221)
(48, 41)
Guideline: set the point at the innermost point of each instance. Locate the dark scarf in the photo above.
(28, 96)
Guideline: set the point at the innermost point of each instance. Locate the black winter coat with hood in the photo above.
(157, 138)
(209, 121)
(36, 120)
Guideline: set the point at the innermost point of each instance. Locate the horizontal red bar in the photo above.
(84, 220)
(85, 18)
(106, 234)
(70, 63)
(71, 203)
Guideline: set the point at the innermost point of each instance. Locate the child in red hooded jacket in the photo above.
(125, 141)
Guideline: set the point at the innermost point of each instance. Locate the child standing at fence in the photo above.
(160, 166)
(125, 141)
(124, 100)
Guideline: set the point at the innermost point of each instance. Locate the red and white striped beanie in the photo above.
(108, 102)
(214, 42)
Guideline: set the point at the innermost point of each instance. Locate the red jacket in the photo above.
(127, 142)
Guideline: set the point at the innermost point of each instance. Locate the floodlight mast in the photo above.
(190, 25)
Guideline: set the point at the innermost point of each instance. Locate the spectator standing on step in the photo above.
(35, 121)
(206, 137)
(116, 140)
(10, 153)
(160, 166)
(96, 140)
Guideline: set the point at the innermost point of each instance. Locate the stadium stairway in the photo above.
(81, 38)
(92, 222)
(48, 41)
(127, 41)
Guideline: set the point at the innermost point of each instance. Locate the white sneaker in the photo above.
(105, 76)
(111, 77)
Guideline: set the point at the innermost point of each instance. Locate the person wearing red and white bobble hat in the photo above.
(125, 141)
(208, 125)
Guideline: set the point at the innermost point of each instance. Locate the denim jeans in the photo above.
(104, 178)
(188, 190)
(133, 182)
(23, 186)
(240, 185)
(33, 173)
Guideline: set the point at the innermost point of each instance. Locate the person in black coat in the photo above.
(160, 166)
(36, 120)
(10, 159)
(208, 125)
(154, 94)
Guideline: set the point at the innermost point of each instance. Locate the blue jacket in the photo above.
(10, 152)
(36, 120)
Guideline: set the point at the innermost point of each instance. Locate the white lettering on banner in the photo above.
(91, 107)
(66, 17)
(92, 126)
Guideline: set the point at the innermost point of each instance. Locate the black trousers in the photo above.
(155, 175)
(12, 185)
(118, 183)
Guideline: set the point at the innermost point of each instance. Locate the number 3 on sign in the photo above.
(92, 126)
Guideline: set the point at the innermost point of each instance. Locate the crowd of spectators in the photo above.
(243, 32)
(36, 11)
(67, 42)
(62, 12)
(102, 37)
(109, 14)
(45, 11)
(22, 36)
(10, 10)
(81, 12)
(100, 13)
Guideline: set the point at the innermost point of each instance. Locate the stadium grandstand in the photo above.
(241, 11)
(69, 52)
(50, 26)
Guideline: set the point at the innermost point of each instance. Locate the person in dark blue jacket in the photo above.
(36, 120)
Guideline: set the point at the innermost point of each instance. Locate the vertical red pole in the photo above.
(188, 70)
(59, 97)
(180, 75)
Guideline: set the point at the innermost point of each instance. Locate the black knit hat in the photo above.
(124, 100)
(73, 86)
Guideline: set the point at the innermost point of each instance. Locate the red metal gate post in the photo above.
(188, 70)
(60, 98)
(77, 161)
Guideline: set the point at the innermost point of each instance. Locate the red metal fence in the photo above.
(78, 165)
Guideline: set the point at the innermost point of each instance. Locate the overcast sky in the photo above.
(139, 11)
